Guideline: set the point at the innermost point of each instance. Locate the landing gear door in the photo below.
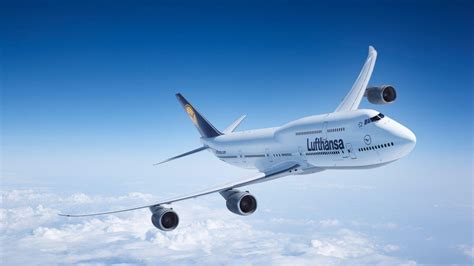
(325, 130)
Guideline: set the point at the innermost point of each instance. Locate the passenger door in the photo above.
(301, 153)
(268, 155)
(350, 150)
(325, 130)
(242, 158)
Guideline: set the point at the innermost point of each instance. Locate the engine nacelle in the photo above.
(381, 94)
(165, 219)
(238, 202)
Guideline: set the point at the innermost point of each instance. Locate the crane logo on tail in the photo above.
(189, 109)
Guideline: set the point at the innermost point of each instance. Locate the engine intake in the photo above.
(238, 202)
(381, 94)
(165, 219)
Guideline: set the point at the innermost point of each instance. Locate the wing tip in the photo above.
(372, 50)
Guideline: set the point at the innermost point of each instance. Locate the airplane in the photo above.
(348, 138)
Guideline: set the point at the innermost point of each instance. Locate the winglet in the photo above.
(354, 96)
(372, 50)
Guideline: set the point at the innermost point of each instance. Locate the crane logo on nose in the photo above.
(367, 139)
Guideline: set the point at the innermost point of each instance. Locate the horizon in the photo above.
(88, 106)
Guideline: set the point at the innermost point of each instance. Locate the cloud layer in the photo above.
(33, 234)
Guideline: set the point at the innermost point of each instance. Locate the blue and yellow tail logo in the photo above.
(189, 109)
(204, 127)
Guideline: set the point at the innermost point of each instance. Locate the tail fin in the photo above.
(206, 129)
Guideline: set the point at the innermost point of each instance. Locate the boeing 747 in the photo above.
(348, 138)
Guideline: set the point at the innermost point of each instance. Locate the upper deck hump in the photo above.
(320, 119)
(256, 135)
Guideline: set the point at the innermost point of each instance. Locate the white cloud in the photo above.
(330, 222)
(346, 244)
(467, 250)
(391, 248)
(32, 234)
(386, 226)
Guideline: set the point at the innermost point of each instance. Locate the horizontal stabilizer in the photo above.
(182, 155)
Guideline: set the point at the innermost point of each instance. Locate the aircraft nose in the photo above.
(410, 137)
(406, 138)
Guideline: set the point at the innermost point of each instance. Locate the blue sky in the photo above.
(88, 105)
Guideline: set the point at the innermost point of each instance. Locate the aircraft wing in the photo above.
(353, 98)
(260, 177)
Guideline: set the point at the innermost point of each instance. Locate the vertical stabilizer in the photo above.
(206, 129)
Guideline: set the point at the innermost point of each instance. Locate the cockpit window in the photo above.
(374, 119)
(377, 117)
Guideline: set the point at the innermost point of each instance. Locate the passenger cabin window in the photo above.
(308, 132)
(339, 129)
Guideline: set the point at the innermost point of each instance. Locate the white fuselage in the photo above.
(342, 140)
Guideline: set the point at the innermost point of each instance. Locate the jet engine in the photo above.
(238, 202)
(381, 94)
(165, 219)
